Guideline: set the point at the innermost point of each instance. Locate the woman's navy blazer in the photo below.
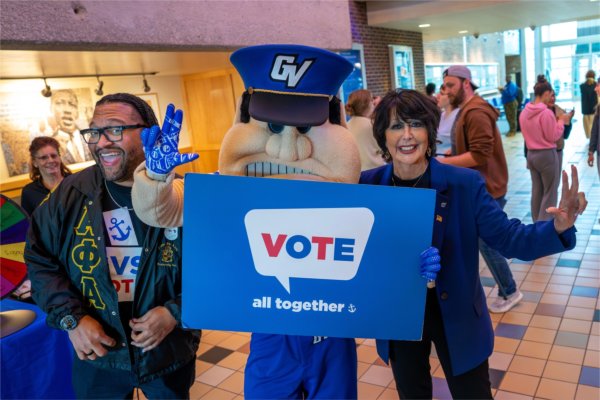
(464, 212)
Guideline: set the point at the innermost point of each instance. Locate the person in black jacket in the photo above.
(46, 170)
(112, 282)
(594, 146)
(589, 100)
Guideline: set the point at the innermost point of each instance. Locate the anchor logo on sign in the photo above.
(122, 235)
(351, 308)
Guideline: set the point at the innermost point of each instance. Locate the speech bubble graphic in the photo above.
(310, 243)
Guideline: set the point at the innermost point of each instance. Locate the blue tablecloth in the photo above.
(36, 361)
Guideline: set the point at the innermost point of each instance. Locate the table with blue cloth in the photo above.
(37, 360)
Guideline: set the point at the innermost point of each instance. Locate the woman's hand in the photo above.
(572, 203)
(430, 265)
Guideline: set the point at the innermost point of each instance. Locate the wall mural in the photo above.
(24, 116)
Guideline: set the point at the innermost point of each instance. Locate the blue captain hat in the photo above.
(290, 84)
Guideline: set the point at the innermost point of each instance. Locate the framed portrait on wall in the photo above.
(401, 60)
(26, 115)
(152, 100)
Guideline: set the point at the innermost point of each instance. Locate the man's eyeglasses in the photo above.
(48, 157)
(111, 133)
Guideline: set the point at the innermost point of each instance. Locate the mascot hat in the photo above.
(290, 84)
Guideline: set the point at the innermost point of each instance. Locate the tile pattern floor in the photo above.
(547, 347)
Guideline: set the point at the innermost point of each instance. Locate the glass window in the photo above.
(511, 43)
(563, 31)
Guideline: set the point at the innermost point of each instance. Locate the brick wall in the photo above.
(375, 42)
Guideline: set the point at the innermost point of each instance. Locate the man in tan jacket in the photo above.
(476, 144)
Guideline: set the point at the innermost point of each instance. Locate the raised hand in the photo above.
(430, 265)
(161, 145)
(572, 203)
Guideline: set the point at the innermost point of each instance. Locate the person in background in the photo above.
(589, 100)
(87, 253)
(449, 113)
(594, 135)
(360, 106)
(511, 104)
(456, 320)
(430, 90)
(477, 144)
(46, 170)
(541, 131)
(558, 113)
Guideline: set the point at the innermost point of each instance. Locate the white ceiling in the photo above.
(447, 18)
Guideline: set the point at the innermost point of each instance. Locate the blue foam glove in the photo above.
(430, 265)
(160, 146)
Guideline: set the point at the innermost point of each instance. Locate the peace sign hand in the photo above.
(572, 203)
(161, 145)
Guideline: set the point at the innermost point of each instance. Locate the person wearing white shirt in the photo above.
(360, 107)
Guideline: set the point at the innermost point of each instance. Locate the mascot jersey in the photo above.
(289, 121)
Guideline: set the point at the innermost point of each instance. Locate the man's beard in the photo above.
(129, 162)
(459, 98)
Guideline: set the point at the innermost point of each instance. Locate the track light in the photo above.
(146, 87)
(46, 91)
(99, 90)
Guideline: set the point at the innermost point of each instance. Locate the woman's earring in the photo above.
(429, 152)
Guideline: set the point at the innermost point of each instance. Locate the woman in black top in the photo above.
(46, 171)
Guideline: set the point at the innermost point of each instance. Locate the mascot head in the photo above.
(289, 123)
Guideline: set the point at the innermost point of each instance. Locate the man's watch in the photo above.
(68, 323)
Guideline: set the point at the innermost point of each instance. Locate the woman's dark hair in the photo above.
(143, 108)
(542, 86)
(359, 102)
(406, 104)
(39, 143)
(335, 115)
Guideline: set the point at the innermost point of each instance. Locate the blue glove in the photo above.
(160, 146)
(430, 265)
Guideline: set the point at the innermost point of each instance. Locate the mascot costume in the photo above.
(289, 124)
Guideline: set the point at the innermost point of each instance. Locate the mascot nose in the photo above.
(289, 145)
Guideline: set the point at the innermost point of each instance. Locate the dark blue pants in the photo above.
(90, 382)
(300, 367)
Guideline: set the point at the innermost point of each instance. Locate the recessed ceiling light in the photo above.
(463, 31)
(424, 25)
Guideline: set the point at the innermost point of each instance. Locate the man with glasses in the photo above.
(476, 144)
(111, 281)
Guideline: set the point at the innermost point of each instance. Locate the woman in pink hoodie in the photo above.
(541, 130)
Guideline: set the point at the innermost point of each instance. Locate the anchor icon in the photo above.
(351, 308)
(123, 235)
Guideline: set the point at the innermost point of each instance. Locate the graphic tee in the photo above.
(124, 234)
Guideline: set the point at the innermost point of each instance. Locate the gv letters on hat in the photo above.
(290, 84)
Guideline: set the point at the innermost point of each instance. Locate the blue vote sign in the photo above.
(304, 258)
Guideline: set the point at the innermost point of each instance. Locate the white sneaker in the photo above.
(501, 304)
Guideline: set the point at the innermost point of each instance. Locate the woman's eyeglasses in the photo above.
(111, 133)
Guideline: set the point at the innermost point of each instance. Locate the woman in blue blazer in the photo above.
(456, 316)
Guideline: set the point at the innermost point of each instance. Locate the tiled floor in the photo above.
(547, 347)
